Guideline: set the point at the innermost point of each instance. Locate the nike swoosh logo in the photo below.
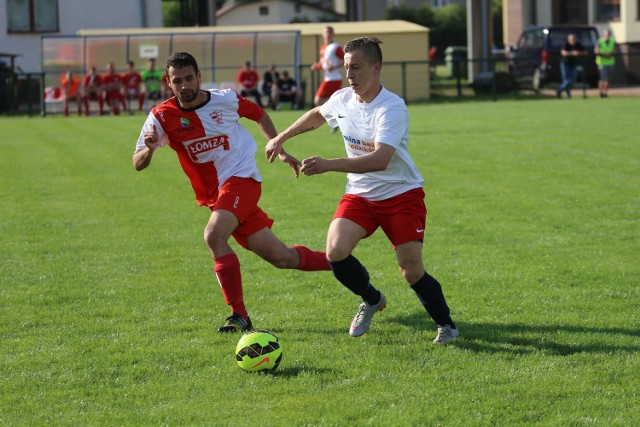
(340, 116)
(265, 360)
(419, 230)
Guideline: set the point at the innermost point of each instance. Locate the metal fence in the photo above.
(24, 93)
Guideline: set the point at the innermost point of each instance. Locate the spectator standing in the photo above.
(384, 186)
(432, 60)
(218, 155)
(605, 52)
(571, 52)
(248, 80)
(71, 90)
(93, 90)
(131, 81)
(331, 62)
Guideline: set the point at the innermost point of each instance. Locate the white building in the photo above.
(269, 12)
(26, 21)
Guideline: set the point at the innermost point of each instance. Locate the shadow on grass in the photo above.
(562, 340)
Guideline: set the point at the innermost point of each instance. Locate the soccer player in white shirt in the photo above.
(218, 156)
(384, 187)
(331, 61)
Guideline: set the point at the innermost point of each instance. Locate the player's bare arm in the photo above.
(377, 160)
(142, 158)
(309, 121)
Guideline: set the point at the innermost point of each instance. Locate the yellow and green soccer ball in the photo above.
(258, 350)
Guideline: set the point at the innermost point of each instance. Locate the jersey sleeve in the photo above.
(340, 53)
(148, 126)
(248, 109)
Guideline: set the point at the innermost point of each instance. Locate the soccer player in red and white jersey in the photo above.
(331, 62)
(93, 90)
(384, 187)
(218, 156)
(131, 81)
(112, 85)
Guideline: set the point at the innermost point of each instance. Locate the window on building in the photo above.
(607, 10)
(264, 10)
(32, 16)
(569, 12)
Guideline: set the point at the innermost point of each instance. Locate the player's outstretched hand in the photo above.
(273, 149)
(292, 161)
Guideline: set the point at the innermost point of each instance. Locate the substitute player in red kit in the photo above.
(384, 186)
(93, 90)
(112, 86)
(131, 81)
(218, 156)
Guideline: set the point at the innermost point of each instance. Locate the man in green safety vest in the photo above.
(605, 58)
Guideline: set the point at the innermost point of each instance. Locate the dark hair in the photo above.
(181, 60)
(370, 47)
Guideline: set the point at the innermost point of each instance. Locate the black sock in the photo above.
(354, 276)
(430, 294)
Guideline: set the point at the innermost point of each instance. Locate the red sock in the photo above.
(311, 260)
(227, 271)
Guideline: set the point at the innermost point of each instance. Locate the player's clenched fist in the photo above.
(151, 138)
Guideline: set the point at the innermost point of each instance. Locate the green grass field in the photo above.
(109, 307)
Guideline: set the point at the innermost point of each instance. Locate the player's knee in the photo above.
(211, 238)
(412, 275)
(335, 254)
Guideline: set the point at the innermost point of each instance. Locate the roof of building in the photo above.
(312, 28)
(229, 6)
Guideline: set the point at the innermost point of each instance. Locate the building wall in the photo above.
(77, 14)
(280, 12)
(520, 14)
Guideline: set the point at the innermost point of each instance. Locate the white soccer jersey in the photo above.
(384, 120)
(332, 55)
(211, 145)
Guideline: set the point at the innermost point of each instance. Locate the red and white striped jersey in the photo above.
(211, 145)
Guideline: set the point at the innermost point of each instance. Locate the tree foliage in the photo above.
(447, 25)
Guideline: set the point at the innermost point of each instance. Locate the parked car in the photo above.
(535, 61)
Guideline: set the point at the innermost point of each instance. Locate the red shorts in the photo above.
(240, 197)
(327, 88)
(402, 218)
(112, 95)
